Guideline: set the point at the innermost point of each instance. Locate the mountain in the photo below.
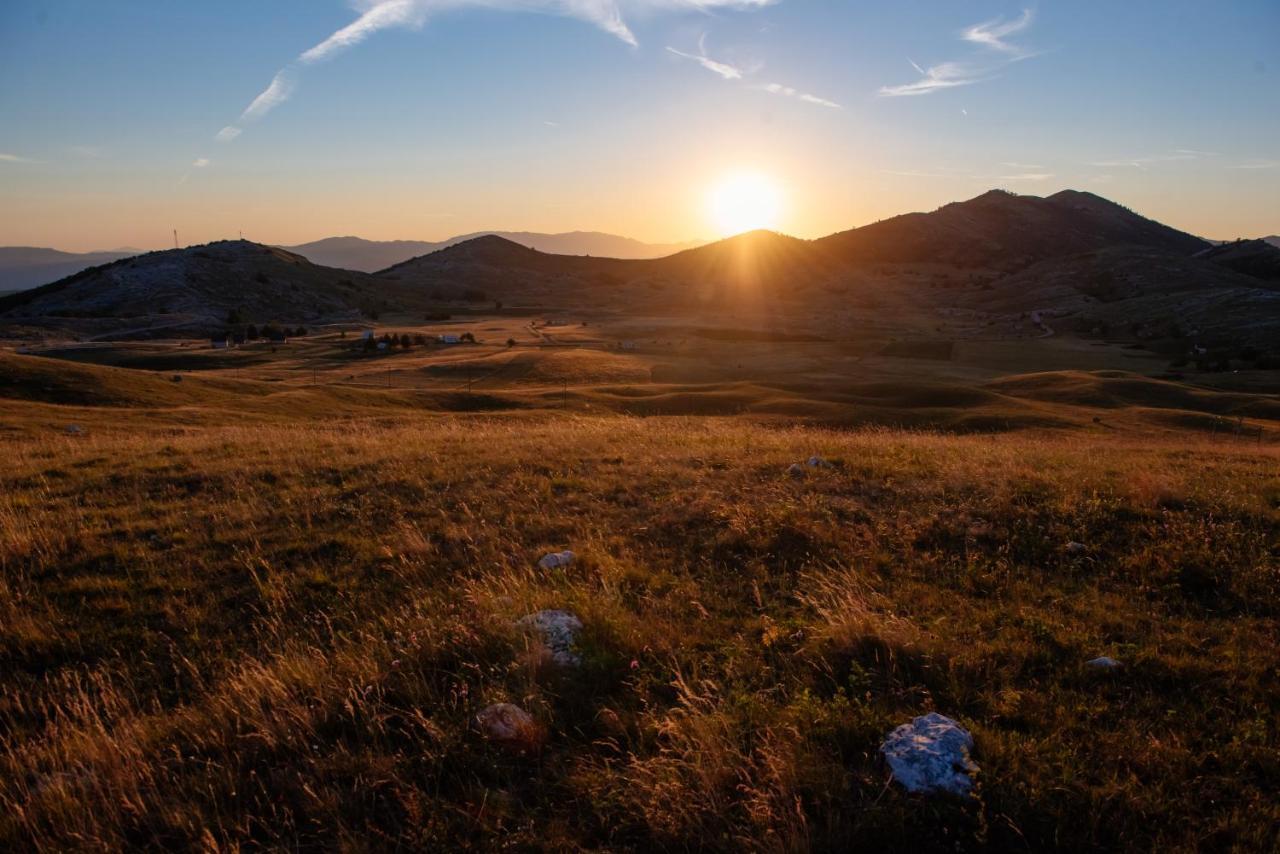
(1004, 231)
(29, 266)
(1274, 240)
(1257, 258)
(194, 290)
(355, 253)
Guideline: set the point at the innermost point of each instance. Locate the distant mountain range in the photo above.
(1072, 255)
(355, 253)
(30, 266)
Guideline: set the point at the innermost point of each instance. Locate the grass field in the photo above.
(278, 633)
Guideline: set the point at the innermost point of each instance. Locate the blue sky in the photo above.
(434, 117)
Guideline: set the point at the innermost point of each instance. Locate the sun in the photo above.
(745, 201)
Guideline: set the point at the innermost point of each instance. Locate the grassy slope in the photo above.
(236, 635)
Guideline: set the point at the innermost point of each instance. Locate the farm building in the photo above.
(220, 342)
(449, 339)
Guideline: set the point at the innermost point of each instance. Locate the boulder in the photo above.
(556, 560)
(74, 429)
(931, 755)
(1074, 548)
(559, 633)
(817, 462)
(509, 726)
(796, 470)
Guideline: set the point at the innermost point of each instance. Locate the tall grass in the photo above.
(234, 637)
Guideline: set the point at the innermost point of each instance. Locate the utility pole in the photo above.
(175, 238)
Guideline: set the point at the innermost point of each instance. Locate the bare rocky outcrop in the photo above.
(931, 755)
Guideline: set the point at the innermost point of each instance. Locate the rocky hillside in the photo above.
(196, 290)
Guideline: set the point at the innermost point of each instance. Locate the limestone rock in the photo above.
(559, 632)
(930, 755)
(556, 560)
(510, 726)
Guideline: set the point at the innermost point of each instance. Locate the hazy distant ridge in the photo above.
(356, 253)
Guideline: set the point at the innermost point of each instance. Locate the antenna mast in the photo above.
(175, 238)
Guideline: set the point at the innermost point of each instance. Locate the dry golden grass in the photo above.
(278, 634)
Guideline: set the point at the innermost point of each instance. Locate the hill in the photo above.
(355, 253)
(1257, 258)
(1005, 231)
(24, 267)
(194, 291)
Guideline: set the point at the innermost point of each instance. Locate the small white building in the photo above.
(628, 345)
(220, 342)
(449, 339)
(367, 336)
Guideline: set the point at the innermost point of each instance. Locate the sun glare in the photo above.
(745, 202)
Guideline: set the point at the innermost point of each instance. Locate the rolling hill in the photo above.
(1004, 231)
(355, 253)
(193, 291)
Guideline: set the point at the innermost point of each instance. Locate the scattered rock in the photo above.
(1103, 663)
(555, 560)
(796, 470)
(931, 754)
(177, 378)
(817, 462)
(559, 631)
(1074, 548)
(74, 429)
(510, 726)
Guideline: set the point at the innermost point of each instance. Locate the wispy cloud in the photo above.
(1174, 156)
(89, 152)
(1256, 164)
(1028, 176)
(200, 162)
(378, 15)
(992, 35)
(947, 75)
(779, 89)
(15, 158)
(723, 69)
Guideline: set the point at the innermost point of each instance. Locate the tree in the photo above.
(511, 342)
(405, 343)
(467, 337)
(234, 318)
(251, 333)
(300, 331)
(497, 305)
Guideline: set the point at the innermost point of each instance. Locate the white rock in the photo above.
(556, 559)
(931, 754)
(559, 631)
(1074, 548)
(1103, 663)
(817, 462)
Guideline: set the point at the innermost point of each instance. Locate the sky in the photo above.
(293, 120)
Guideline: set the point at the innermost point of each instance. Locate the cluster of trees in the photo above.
(252, 332)
(404, 341)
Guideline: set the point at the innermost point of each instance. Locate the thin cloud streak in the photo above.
(723, 69)
(992, 35)
(378, 15)
(15, 158)
(779, 89)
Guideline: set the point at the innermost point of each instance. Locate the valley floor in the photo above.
(220, 635)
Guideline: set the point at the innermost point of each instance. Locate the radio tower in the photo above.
(175, 238)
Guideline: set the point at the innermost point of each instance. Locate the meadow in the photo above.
(277, 633)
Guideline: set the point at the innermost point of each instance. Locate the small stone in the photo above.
(931, 754)
(559, 632)
(556, 560)
(74, 429)
(510, 726)
(1103, 663)
(817, 462)
(1074, 548)
(796, 470)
